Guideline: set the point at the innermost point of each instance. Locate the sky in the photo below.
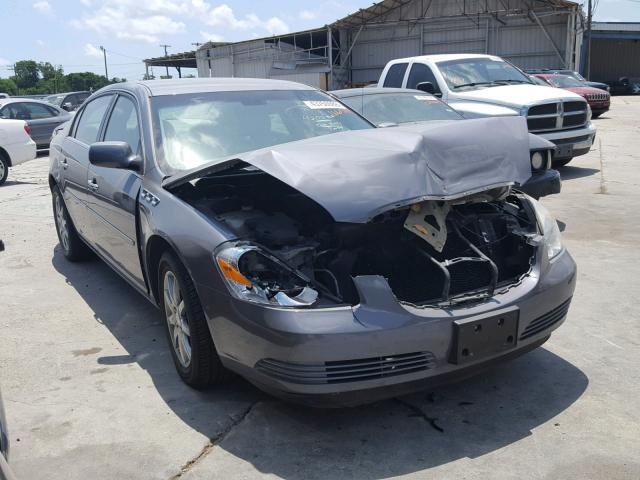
(70, 32)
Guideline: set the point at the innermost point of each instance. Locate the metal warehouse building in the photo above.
(353, 50)
(615, 51)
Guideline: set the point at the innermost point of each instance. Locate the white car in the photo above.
(16, 146)
(485, 85)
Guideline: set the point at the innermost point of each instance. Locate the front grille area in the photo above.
(574, 106)
(598, 96)
(347, 370)
(547, 320)
(557, 116)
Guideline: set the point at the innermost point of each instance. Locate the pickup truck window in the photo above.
(421, 73)
(480, 72)
(395, 75)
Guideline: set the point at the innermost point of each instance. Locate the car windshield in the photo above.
(471, 73)
(194, 129)
(401, 108)
(54, 99)
(564, 81)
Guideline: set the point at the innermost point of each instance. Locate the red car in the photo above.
(599, 100)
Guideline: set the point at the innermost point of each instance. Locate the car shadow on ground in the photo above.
(570, 172)
(389, 438)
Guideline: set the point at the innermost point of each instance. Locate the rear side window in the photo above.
(36, 111)
(421, 73)
(395, 75)
(89, 123)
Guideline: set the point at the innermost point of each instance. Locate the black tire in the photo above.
(204, 368)
(596, 115)
(73, 247)
(4, 168)
(560, 163)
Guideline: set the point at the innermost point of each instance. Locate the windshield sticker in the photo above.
(323, 104)
(426, 98)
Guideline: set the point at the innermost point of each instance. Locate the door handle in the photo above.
(93, 185)
(65, 163)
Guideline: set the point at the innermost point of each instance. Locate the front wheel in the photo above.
(4, 169)
(73, 248)
(192, 348)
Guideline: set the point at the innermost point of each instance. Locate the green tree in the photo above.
(26, 74)
(48, 71)
(8, 86)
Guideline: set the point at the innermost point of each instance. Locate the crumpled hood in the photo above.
(536, 142)
(517, 95)
(358, 174)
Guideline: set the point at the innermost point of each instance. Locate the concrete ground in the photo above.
(91, 392)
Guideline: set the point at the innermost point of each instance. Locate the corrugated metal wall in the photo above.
(612, 59)
(517, 38)
(259, 59)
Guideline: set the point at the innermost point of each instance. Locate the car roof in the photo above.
(355, 92)
(200, 85)
(445, 57)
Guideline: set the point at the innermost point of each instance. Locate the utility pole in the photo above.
(589, 15)
(104, 53)
(165, 54)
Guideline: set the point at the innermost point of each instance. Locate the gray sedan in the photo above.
(42, 117)
(285, 238)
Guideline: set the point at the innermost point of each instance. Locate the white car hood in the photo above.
(517, 95)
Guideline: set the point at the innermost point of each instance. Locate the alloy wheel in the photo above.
(176, 316)
(61, 223)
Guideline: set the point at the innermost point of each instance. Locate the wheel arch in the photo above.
(5, 154)
(156, 246)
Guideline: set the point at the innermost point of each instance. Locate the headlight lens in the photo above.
(549, 229)
(538, 160)
(256, 276)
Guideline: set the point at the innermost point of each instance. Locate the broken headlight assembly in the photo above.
(253, 275)
(548, 228)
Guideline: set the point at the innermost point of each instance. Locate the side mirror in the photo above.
(114, 155)
(68, 106)
(426, 87)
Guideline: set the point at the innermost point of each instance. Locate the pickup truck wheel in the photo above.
(192, 348)
(4, 168)
(560, 163)
(73, 248)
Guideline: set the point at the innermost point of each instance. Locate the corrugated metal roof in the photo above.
(379, 9)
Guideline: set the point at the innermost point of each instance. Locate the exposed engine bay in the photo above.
(431, 253)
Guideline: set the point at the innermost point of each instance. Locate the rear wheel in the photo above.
(192, 348)
(4, 168)
(561, 163)
(73, 248)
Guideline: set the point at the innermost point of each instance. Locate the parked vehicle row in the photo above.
(41, 117)
(286, 238)
(485, 85)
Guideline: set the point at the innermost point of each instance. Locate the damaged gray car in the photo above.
(285, 238)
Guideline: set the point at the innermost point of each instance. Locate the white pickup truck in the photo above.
(16, 146)
(484, 85)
